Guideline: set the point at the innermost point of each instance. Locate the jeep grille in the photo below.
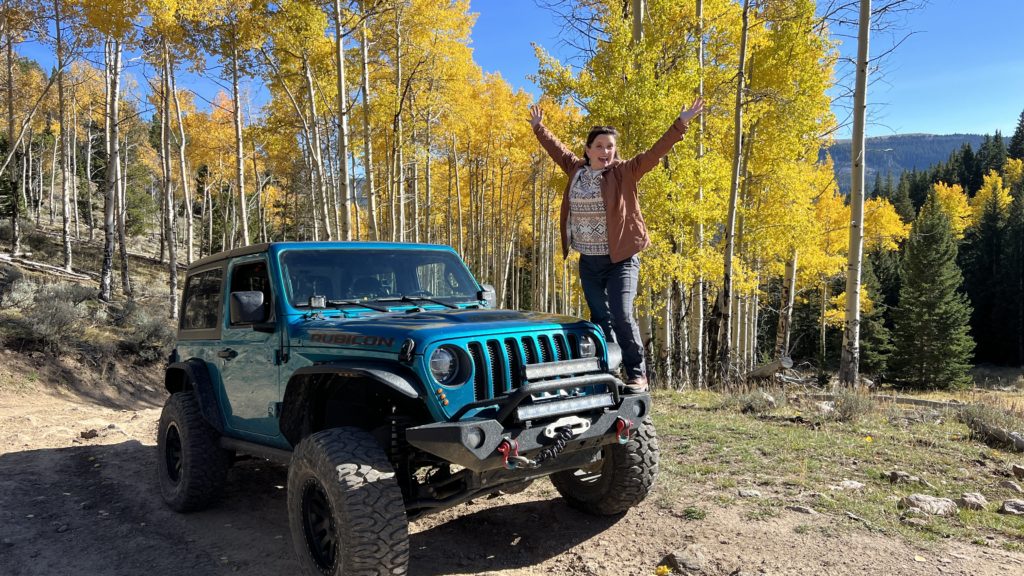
(498, 363)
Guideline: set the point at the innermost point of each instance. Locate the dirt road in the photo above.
(83, 506)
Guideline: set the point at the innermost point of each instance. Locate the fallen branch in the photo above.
(998, 435)
(771, 368)
(44, 268)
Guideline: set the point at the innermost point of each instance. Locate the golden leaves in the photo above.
(954, 203)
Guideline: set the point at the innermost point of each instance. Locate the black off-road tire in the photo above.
(345, 508)
(191, 465)
(620, 480)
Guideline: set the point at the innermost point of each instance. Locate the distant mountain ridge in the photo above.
(897, 154)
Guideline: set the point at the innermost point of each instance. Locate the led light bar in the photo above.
(563, 368)
(560, 407)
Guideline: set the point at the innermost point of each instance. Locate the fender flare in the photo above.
(193, 373)
(295, 419)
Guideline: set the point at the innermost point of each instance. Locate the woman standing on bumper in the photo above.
(601, 219)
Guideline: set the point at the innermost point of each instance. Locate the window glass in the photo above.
(253, 276)
(202, 301)
(353, 274)
(436, 278)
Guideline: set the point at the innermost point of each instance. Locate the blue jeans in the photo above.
(610, 288)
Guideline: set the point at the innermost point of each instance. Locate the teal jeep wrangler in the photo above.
(382, 375)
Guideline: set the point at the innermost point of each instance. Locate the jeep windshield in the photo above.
(354, 275)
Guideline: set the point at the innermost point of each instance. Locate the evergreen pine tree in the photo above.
(932, 345)
(950, 171)
(1016, 149)
(920, 184)
(901, 199)
(970, 175)
(876, 191)
(997, 157)
(875, 339)
(1010, 306)
(981, 262)
(885, 266)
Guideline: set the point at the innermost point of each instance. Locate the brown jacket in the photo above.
(627, 233)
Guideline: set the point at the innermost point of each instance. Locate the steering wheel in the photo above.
(423, 293)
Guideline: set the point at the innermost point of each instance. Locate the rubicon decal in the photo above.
(347, 339)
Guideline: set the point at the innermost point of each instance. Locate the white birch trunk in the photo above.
(849, 364)
(726, 328)
(239, 158)
(371, 191)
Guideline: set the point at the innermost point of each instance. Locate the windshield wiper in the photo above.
(357, 303)
(414, 299)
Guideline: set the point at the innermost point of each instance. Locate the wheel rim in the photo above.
(318, 526)
(173, 452)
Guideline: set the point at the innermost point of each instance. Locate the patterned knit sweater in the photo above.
(588, 222)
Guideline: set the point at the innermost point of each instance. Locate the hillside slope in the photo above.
(897, 154)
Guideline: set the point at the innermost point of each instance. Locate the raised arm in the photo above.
(644, 162)
(562, 156)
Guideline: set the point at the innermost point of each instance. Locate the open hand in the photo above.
(536, 115)
(696, 108)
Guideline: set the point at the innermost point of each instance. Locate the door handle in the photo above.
(227, 353)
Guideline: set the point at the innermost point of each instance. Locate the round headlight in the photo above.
(444, 364)
(588, 348)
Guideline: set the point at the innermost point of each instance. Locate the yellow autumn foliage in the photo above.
(954, 202)
(992, 189)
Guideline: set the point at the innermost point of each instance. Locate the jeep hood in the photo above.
(389, 331)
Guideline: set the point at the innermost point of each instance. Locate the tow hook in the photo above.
(623, 428)
(509, 449)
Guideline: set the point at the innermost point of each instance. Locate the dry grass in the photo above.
(795, 458)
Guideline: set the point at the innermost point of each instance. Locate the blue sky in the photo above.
(961, 69)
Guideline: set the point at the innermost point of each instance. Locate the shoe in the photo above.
(637, 385)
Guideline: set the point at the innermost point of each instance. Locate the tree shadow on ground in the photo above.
(501, 537)
(96, 509)
(94, 379)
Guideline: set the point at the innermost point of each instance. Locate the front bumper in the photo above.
(521, 418)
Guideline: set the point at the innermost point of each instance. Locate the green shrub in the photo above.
(55, 323)
(756, 402)
(19, 293)
(851, 406)
(52, 315)
(149, 337)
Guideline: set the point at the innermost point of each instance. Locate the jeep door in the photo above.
(248, 353)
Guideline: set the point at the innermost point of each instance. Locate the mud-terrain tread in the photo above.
(363, 492)
(627, 476)
(205, 466)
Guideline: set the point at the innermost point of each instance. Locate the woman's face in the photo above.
(601, 151)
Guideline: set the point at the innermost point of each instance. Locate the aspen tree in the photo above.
(725, 359)
(850, 362)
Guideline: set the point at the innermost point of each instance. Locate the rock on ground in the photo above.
(1013, 508)
(689, 560)
(929, 504)
(1012, 486)
(847, 485)
(972, 501)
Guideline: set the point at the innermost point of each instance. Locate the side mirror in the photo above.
(247, 307)
(487, 295)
